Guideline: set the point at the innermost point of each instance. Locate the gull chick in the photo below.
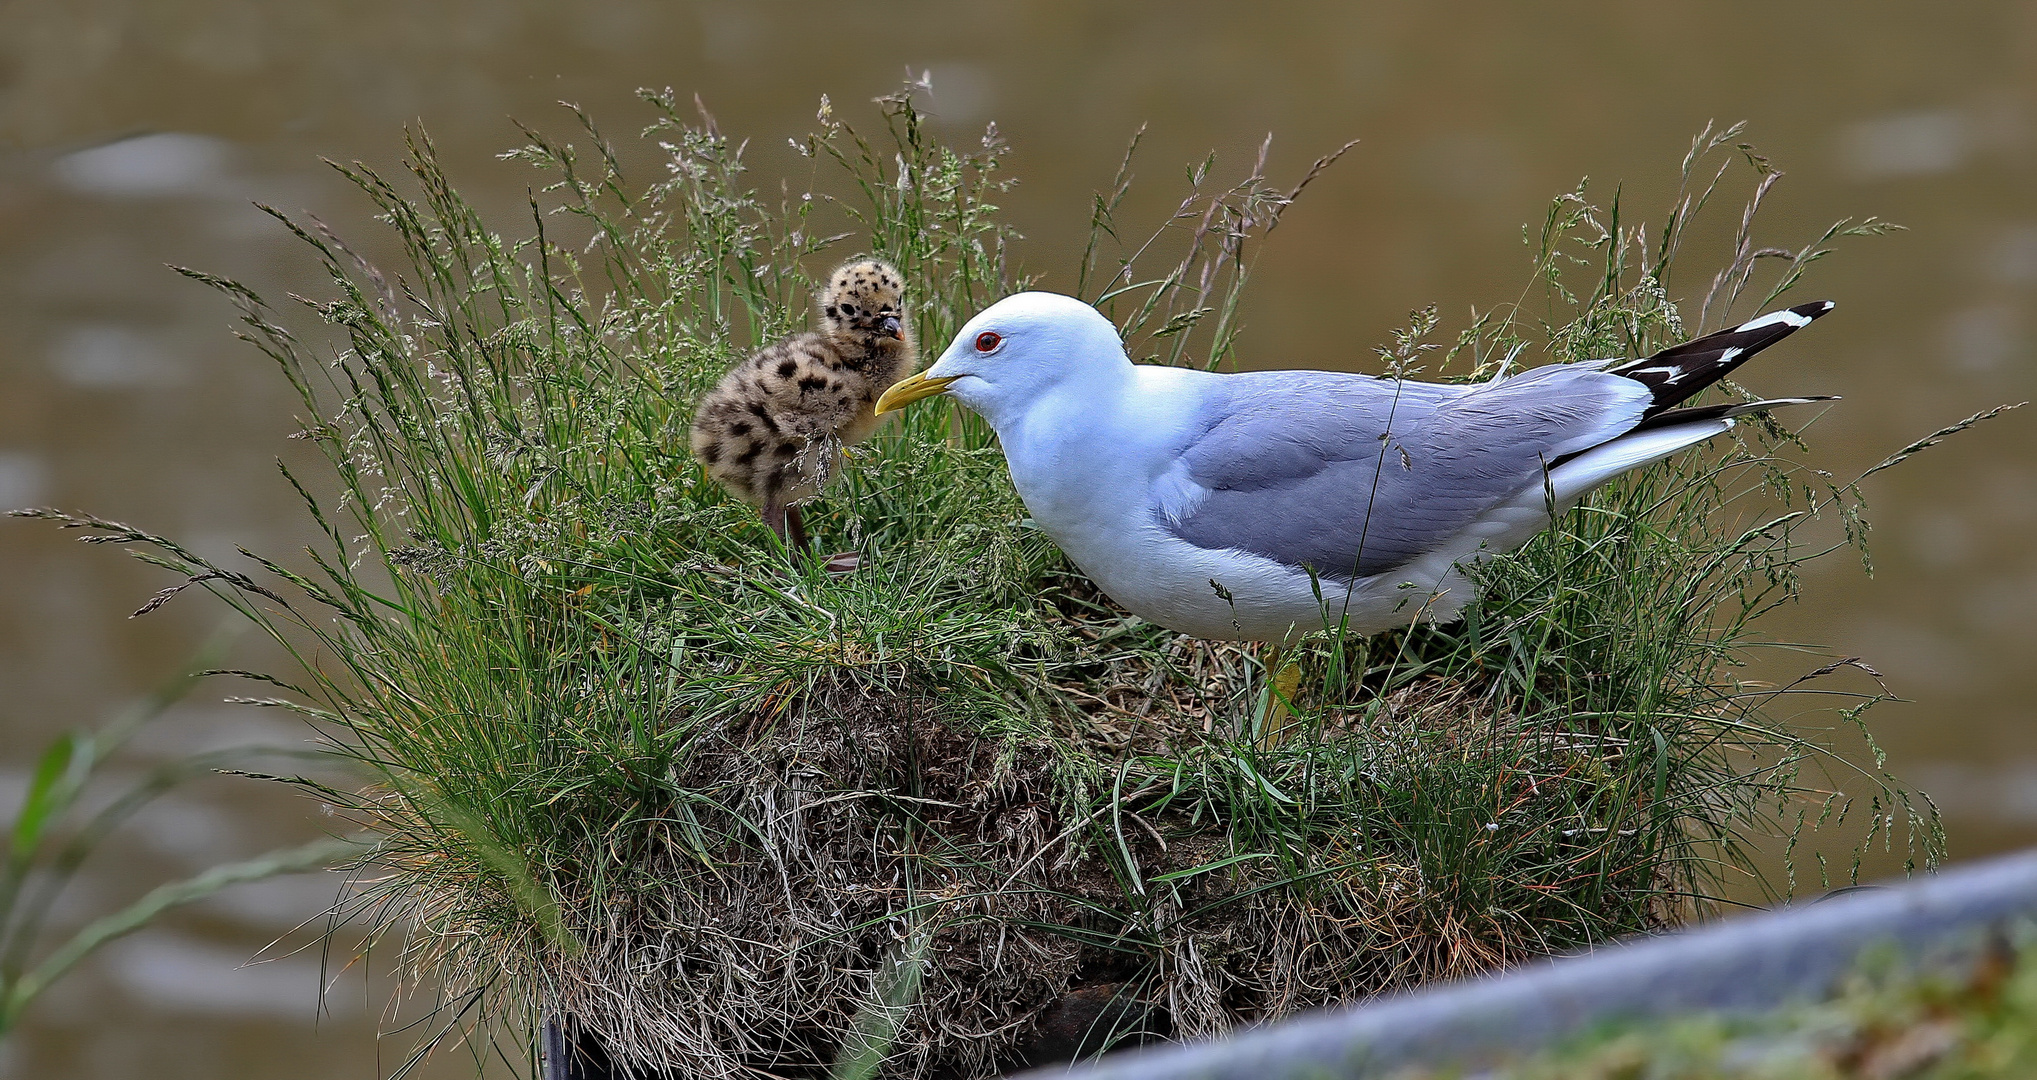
(773, 430)
(1262, 505)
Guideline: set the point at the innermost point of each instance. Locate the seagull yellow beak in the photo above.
(910, 389)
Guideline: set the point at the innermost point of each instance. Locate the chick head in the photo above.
(865, 301)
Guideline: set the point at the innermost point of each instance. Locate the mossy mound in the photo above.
(846, 836)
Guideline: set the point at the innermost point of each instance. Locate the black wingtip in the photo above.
(1676, 373)
(1793, 318)
(1728, 411)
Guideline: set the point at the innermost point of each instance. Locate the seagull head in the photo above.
(1013, 352)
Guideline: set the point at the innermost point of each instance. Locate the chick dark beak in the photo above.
(890, 326)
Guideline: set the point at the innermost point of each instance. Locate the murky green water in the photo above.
(123, 393)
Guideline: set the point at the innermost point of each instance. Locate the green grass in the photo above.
(68, 811)
(629, 764)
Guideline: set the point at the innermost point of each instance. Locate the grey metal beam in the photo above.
(1744, 964)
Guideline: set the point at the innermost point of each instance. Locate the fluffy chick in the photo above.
(773, 430)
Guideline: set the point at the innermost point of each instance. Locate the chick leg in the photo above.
(795, 531)
(790, 525)
(780, 519)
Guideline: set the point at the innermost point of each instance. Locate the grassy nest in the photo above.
(1033, 885)
(737, 818)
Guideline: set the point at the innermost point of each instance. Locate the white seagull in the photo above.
(1262, 505)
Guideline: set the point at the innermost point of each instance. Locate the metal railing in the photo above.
(1745, 964)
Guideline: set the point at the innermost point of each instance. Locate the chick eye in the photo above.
(987, 341)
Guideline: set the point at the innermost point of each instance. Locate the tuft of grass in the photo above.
(736, 817)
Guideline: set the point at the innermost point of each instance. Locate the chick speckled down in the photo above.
(772, 431)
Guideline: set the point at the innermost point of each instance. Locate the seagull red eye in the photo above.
(987, 341)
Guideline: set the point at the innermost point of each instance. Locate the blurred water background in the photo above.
(134, 135)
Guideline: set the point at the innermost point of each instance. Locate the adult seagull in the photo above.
(1262, 505)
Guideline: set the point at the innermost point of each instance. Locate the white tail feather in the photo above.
(1588, 470)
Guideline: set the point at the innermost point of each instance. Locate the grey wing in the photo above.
(1354, 476)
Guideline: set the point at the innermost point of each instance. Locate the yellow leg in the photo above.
(1283, 679)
